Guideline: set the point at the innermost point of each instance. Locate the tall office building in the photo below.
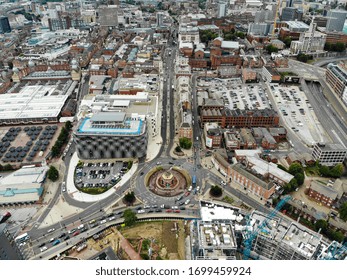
(336, 20)
(222, 10)
(160, 19)
(290, 13)
(8, 248)
(4, 25)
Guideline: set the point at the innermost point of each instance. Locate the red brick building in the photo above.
(322, 193)
(239, 118)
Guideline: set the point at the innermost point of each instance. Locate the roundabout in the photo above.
(167, 181)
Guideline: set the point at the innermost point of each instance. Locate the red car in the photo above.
(168, 210)
(177, 211)
(76, 233)
(187, 193)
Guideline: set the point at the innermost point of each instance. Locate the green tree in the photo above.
(270, 49)
(130, 217)
(216, 191)
(287, 41)
(242, 36)
(178, 149)
(300, 178)
(68, 125)
(130, 197)
(53, 173)
(7, 167)
(328, 47)
(343, 211)
(337, 171)
(321, 224)
(185, 143)
(293, 184)
(324, 170)
(295, 168)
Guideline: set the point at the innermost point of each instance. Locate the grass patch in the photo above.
(94, 191)
(228, 199)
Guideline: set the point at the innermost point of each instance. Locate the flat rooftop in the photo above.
(33, 101)
(129, 127)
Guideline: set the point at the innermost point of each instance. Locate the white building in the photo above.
(329, 154)
(311, 41)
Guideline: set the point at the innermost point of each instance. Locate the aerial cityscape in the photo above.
(173, 130)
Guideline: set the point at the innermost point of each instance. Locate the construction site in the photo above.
(226, 233)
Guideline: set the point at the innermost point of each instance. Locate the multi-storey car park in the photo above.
(111, 135)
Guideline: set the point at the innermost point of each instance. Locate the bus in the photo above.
(21, 238)
(194, 181)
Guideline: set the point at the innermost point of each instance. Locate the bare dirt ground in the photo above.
(165, 239)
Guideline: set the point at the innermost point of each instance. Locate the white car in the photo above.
(112, 218)
(187, 201)
(198, 188)
(80, 226)
(141, 211)
(190, 188)
(51, 230)
(102, 222)
(223, 183)
(174, 207)
(43, 249)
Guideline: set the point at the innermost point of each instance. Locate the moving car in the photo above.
(43, 249)
(56, 242)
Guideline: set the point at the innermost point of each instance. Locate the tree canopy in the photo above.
(216, 191)
(130, 217)
(185, 143)
(130, 197)
(343, 211)
(53, 173)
